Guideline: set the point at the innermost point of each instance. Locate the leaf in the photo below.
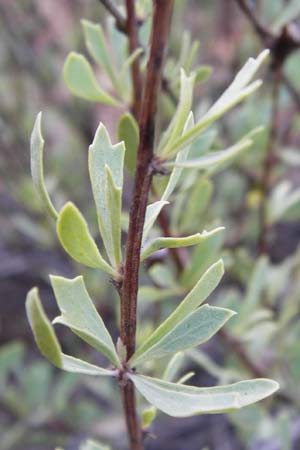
(74, 236)
(282, 199)
(128, 131)
(181, 156)
(213, 158)
(173, 367)
(152, 213)
(198, 327)
(195, 297)
(114, 201)
(148, 415)
(93, 445)
(176, 126)
(174, 242)
(203, 255)
(238, 90)
(96, 44)
(48, 344)
(79, 313)
(178, 400)
(103, 153)
(80, 79)
(254, 291)
(36, 163)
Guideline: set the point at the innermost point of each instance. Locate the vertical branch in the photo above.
(268, 163)
(132, 32)
(143, 178)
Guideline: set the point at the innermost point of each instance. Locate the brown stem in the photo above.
(132, 32)
(116, 13)
(268, 165)
(143, 178)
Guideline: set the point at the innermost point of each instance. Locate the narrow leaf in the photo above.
(170, 242)
(176, 126)
(198, 327)
(178, 400)
(96, 44)
(181, 157)
(128, 131)
(79, 313)
(103, 153)
(48, 344)
(80, 79)
(213, 158)
(75, 238)
(114, 202)
(152, 213)
(36, 163)
(238, 90)
(196, 296)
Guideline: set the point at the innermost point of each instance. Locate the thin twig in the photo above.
(121, 24)
(143, 178)
(116, 13)
(268, 164)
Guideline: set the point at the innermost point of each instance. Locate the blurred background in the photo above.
(257, 199)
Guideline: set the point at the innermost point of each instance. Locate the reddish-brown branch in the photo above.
(132, 32)
(143, 178)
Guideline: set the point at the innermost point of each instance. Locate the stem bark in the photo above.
(162, 11)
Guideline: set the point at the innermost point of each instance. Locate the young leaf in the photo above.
(74, 236)
(213, 158)
(238, 90)
(114, 201)
(148, 415)
(79, 313)
(176, 126)
(36, 163)
(128, 131)
(96, 44)
(178, 400)
(196, 328)
(196, 296)
(170, 242)
(181, 156)
(152, 213)
(103, 153)
(48, 344)
(80, 79)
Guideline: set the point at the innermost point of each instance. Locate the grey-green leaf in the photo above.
(196, 328)
(75, 238)
(174, 242)
(238, 90)
(181, 157)
(80, 79)
(114, 202)
(213, 158)
(103, 153)
(178, 400)
(80, 315)
(128, 131)
(152, 213)
(48, 344)
(96, 44)
(196, 296)
(93, 445)
(36, 163)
